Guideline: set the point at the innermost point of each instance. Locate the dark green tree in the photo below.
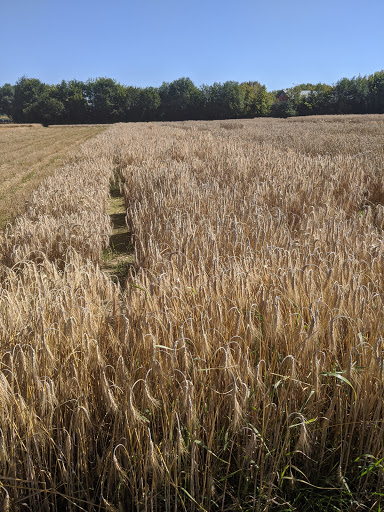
(224, 101)
(352, 95)
(106, 100)
(324, 101)
(27, 92)
(73, 95)
(46, 110)
(7, 96)
(148, 103)
(376, 93)
(131, 110)
(287, 108)
(180, 100)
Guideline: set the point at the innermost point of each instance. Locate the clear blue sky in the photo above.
(145, 42)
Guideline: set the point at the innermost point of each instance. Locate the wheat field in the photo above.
(28, 153)
(239, 365)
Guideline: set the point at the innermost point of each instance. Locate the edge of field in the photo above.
(31, 167)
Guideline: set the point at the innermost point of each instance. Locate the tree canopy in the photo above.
(104, 100)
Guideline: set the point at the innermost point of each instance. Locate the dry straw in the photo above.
(243, 362)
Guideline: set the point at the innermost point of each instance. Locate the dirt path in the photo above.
(118, 258)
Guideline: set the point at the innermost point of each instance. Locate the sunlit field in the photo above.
(236, 363)
(28, 154)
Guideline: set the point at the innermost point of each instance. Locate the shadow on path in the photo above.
(118, 258)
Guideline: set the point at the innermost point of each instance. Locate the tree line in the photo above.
(104, 100)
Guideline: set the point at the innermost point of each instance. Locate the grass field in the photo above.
(29, 153)
(235, 360)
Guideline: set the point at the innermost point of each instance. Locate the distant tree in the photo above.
(27, 92)
(131, 110)
(324, 102)
(224, 101)
(303, 96)
(352, 95)
(210, 95)
(286, 108)
(180, 100)
(73, 95)
(232, 99)
(376, 92)
(148, 103)
(256, 100)
(46, 110)
(305, 104)
(291, 107)
(7, 96)
(106, 100)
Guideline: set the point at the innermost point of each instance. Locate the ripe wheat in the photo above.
(243, 361)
